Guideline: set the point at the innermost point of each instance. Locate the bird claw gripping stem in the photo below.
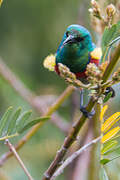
(86, 113)
(83, 108)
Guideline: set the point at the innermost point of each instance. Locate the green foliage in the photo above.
(32, 123)
(104, 161)
(110, 36)
(4, 120)
(13, 125)
(103, 174)
(21, 121)
(108, 146)
(107, 97)
(115, 150)
(13, 120)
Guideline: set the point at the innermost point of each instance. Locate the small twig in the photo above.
(11, 147)
(8, 136)
(73, 157)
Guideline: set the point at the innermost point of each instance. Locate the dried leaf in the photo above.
(107, 97)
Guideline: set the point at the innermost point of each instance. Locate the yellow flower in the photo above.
(103, 112)
(110, 134)
(108, 124)
(96, 53)
(1, 2)
(49, 62)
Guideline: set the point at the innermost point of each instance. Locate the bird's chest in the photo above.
(75, 58)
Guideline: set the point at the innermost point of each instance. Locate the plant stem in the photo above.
(67, 143)
(12, 149)
(112, 63)
(77, 126)
(35, 128)
(8, 136)
(93, 168)
(73, 157)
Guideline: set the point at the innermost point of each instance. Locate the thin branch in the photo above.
(34, 129)
(29, 96)
(78, 125)
(73, 157)
(11, 147)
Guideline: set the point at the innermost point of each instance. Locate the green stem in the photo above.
(8, 136)
(112, 64)
(94, 165)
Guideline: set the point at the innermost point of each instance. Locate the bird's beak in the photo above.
(70, 39)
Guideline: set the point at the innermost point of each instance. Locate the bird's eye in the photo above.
(78, 39)
(67, 33)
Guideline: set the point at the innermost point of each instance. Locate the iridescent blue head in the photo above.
(74, 48)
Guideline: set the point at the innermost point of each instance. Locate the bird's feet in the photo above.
(86, 113)
(83, 108)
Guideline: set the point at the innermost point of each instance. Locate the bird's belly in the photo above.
(76, 64)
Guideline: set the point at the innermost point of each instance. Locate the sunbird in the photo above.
(76, 51)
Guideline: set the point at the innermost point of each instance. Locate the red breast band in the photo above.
(79, 74)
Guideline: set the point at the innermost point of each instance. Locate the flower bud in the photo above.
(110, 10)
(116, 76)
(49, 62)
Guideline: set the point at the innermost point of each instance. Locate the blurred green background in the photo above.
(29, 31)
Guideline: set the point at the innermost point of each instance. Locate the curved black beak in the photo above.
(70, 39)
